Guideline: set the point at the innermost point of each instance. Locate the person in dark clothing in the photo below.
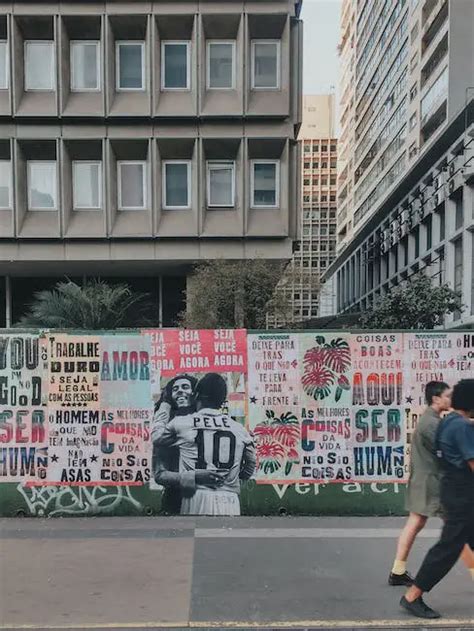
(455, 448)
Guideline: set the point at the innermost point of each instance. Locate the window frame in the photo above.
(73, 44)
(253, 58)
(33, 42)
(120, 205)
(30, 163)
(217, 163)
(164, 43)
(188, 164)
(129, 42)
(10, 185)
(209, 43)
(90, 162)
(7, 65)
(277, 163)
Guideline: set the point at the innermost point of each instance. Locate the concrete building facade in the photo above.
(412, 153)
(317, 245)
(138, 138)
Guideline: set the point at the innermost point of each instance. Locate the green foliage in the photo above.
(95, 305)
(415, 305)
(233, 294)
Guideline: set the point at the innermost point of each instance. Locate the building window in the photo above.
(42, 185)
(429, 232)
(265, 183)
(220, 65)
(176, 184)
(416, 235)
(5, 184)
(131, 185)
(85, 66)
(175, 66)
(265, 64)
(458, 271)
(86, 182)
(412, 120)
(130, 66)
(413, 92)
(40, 68)
(220, 184)
(4, 65)
(442, 224)
(459, 221)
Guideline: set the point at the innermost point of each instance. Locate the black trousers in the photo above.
(457, 497)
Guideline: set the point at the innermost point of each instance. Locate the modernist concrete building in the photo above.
(409, 65)
(317, 246)
(412, 202)
(139, 137)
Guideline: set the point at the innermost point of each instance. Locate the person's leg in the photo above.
(414, 524)
(437, 563)
(467, 557)
(440, 559)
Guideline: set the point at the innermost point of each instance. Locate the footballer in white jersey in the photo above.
(211, 441)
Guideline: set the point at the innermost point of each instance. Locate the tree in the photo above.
(95, 305)
(415, 305)
(233, 294)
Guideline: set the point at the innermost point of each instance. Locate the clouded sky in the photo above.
(321, 37)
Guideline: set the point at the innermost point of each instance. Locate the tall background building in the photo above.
(138, 138)
(317, 246)
(345, 189)
(411, 156)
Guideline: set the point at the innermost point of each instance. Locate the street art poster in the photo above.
(199, 440)
(196, 412)
(432, 356)
(299, 402)
(378, 407)
(23, 393)
(99, 409)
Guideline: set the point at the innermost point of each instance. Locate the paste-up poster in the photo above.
(432, 356)
(378, 407)
(99, 409)
(23, 398)
(326, 432)
(193, 371)
(274, 400)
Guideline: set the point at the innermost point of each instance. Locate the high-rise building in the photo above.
(317, 246)
(412, 153)
(138, 138)
(346, 143)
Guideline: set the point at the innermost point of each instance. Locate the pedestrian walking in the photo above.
(455, 448)
(423, 489)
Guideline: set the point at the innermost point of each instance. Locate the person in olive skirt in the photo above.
(423, 489)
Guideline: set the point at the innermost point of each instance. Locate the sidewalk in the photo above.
(137, 573)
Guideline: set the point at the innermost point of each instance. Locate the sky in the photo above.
(321, 37)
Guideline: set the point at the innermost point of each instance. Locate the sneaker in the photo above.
(400, 579)
(419, 608)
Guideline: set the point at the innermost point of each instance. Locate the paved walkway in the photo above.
(157, 573)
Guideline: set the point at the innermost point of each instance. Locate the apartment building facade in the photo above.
(412, 201)
(138, 138)
(345, 184)
(316, 248)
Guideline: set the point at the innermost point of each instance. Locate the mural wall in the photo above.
(214, 421)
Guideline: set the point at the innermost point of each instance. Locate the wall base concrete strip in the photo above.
(307, 533)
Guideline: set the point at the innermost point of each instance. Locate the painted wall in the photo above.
(306, 423)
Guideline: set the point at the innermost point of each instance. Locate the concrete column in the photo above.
(160, 301)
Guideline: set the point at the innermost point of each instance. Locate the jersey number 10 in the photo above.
(211, 446)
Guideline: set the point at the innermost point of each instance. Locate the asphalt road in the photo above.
(160, 573)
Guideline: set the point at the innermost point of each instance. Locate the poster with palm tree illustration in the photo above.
(299, 400)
